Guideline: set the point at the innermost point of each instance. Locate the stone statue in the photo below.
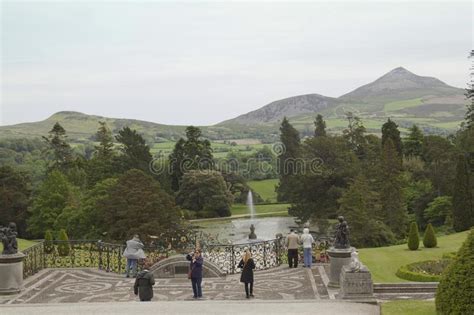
(341, 240)
(252, 234)
(355, 264)
(8, 237)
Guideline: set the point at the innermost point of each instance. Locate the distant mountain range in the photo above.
(401, 95)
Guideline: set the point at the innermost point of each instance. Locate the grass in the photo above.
(409, 307)
(239, 209)
(384, 262)
(265, 188)
(394, 106)
(24, 244)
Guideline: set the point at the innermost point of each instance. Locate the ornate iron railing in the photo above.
(108, 256)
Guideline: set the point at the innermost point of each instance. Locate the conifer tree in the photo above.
(390, 131)
(59, 147)
(429, 239)
(463, 212)
(320, 126)
(289, 150)
(413, 143)
(413, 237)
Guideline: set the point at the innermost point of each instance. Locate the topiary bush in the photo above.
(424, 271)
(413, 237)
(429, 239)
(63, 246)
(455, 293)
(48, 242)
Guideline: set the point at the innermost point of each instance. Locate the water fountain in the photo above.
(250, 205)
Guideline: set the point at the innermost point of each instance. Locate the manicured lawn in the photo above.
(411, 307)
(238, 209)
(265, 188)
(23, 244)
(384, 262)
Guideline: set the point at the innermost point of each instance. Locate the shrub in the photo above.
(48, 242)
(63, 246)
(455, 292)
(429, 239)
(413, 237)
(424, 271)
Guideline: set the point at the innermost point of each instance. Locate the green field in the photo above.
(24, 244)
(384, 262)
(281, 208)
(411, 307)
(265, 188)
(394, 106)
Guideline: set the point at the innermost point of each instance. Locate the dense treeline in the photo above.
(379, 184)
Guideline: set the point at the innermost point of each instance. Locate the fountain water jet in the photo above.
(250, 205)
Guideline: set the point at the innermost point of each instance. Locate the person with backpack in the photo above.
(144, 282)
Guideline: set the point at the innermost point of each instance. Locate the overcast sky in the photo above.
(201, 63)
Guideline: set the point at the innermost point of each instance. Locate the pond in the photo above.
(236, 231)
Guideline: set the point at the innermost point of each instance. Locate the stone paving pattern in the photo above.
(91, 285)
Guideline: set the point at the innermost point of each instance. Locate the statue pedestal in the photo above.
(356, 285)
(11, 273)
(337, 259)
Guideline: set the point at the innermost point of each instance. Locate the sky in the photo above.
(204, 62)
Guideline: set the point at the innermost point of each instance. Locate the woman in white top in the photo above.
(307, 240)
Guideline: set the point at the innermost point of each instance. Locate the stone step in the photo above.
(406, 287)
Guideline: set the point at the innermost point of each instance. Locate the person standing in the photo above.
(292, 241)
(144, 282)
(307, 240)
(247, 264)
(195, 272)
(133, 252)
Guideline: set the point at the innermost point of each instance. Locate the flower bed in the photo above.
(424, 271)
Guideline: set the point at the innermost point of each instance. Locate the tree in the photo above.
(413, 143)
(105, 149)
(49, 202)
(135, 152)
(48, 242)
(354, 134)
(429, 239)
(438, 210)
(63, 245)
(59, 147)
(320, 126)
(390, 131)
(360, 206)
(137, 205)
(14, 197)
(438, 154)
(194, 153)
(463, 212)
(413, 237)
(454, 294)
(206, 193)
(469, 117)
(394, 210)
(289, 151)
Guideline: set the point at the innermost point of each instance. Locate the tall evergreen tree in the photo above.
(463, 209)
(289, 151)
(394, 209)
(59, 147)
(469, 117)
(413, 143)
(190, 154)
(105, 149)
(390, 131)
(136, 153)
(320, 126)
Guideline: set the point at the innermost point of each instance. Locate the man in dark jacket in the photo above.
(195, 269)
(144, 284)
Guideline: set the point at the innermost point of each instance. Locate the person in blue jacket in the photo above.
(195, 272)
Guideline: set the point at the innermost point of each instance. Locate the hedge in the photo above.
(419, 271)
